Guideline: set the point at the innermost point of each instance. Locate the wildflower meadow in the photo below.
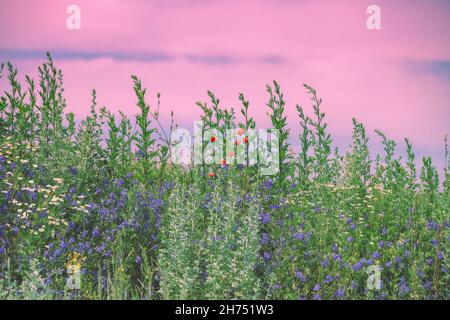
(104, 208)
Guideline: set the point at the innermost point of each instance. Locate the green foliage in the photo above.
(144, 136)
(359, 161)
(277, 116)
(101, 196)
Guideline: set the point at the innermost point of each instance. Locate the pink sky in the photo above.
(396, 79)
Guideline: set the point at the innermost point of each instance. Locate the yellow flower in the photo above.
(74, 261)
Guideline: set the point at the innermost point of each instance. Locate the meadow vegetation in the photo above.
(102, 198)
